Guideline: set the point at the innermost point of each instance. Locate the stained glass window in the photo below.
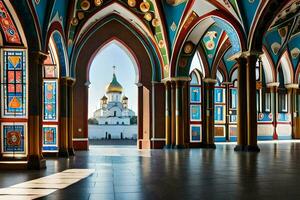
(50, 138)
(13, 138)
(14, 83)
(50, 102)
(195, 108)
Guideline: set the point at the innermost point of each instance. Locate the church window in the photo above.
(14, 101)
(282, 102)
(267, 102)
(195, 108)
(50, 101)
(14, 83)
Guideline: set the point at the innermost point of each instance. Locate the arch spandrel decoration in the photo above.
(8, 27)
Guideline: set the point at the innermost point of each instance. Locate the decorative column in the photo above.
(251, 104)
(296, 124)
(158, 115)
(292, 107)
(242, 105)
(63, 126)
(185, 111)
(35, 99)
(227, 84)
(140, 115)
(273, 89)
(70, 84)
(209, 139)
(179, 138)
(168, 114)
(173, 113)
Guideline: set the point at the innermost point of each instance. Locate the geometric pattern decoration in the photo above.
(50, 100)
(7, 25)
(13, 138)
(50, 138)
(195, 94)
(220, 110)
(14, 83)
(195, 132)
(195, 112)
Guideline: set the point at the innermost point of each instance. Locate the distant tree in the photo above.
(92, 121)
(133, 120)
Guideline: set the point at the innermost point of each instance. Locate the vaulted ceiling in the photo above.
(177, 28)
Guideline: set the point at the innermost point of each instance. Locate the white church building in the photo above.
(113, 116)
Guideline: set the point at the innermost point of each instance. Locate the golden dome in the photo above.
(114, 86)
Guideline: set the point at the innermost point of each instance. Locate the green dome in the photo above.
(114, 86)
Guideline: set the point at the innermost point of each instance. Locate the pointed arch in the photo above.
(129, 52)
(195, 31)
(268, 66)
(287, 69)
(130, 34)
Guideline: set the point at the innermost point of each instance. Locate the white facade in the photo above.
(113, 116)
(114, 113)
(103, 132)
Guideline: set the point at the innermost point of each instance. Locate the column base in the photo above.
(248, 148)
(36, 162)
(179, 146)
(71, 152)
(239, 148)
(168, 146)
(208, 146)
(63, 153)
(251, 148)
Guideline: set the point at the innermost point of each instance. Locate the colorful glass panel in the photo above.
(50, 138)
(13, 138)
(13, 83)
(195, 111)
(219, 113)
(195, 94)
(219, 95)
(50, 71)
(195, 133)
(50, 100)
(233, 93)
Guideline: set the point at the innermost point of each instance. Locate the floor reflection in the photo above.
(127, 173)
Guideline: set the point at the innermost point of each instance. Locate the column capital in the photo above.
(273, 84)
(174, 79)
(63, 81)
(245, 54)
(291, 86)
(38, 57)
(70, 81)
(227, 83)
(139, 84)
(210, 80)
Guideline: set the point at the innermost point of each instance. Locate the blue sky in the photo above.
(101, 75)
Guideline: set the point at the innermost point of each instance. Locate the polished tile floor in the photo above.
(126, 173)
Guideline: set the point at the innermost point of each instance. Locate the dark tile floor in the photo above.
(126, 173)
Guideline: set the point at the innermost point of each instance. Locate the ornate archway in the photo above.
(113, 28)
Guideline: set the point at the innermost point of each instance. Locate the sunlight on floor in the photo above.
(119, 151)
(44, 186)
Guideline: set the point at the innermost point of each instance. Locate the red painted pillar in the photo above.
(35, 99)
